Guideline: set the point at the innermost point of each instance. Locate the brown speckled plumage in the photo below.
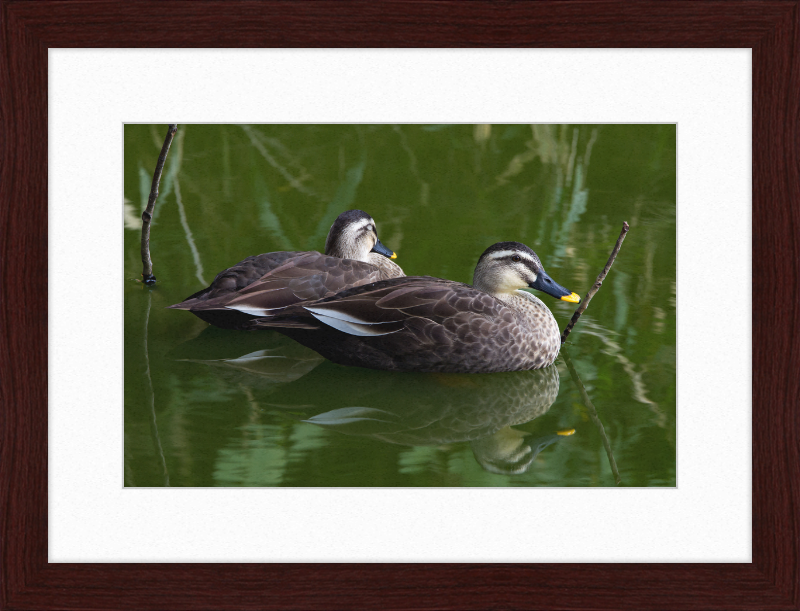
(430, 324)
(276, 280)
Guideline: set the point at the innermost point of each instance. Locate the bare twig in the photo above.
(597, 283)
(153, 422)
(593, 415)
(147, 215)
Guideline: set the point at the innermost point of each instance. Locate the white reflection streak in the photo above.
(572, 153)
(295, 182)
(615, 350)
(587, 155)
(412, 165)
(195, 253)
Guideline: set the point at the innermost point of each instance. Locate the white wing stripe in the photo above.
(252, 310)
(360, 330)
(341, 316)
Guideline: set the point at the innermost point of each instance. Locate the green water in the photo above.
(197, 414)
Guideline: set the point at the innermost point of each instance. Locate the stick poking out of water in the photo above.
(147, 215)
(587, 402)
(597, 283)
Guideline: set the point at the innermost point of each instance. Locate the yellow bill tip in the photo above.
(572, 298)
(566, 433)
(394, 255)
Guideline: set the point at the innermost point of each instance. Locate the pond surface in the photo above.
(213, 407)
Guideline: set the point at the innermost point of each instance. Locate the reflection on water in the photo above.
(277, 362)
(412, 409)
(450, 408)
(407, 409)
(207, 407)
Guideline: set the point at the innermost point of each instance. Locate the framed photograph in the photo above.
(62, 353)
(269, 410)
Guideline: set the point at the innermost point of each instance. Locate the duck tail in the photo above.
(190, 301)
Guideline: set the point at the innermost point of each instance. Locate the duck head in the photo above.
(507, 267)
(354, 235)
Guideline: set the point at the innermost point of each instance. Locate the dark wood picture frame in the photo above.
(770, 28)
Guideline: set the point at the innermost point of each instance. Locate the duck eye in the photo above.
(516, 259)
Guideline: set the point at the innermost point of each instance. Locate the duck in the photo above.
(263, 285)
(426, 324)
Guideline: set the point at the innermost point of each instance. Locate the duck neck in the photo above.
(523, 302)
(504, 297)
(516, 297)
(341, 252)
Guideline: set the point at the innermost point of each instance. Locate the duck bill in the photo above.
(547, 285)
(382, 250)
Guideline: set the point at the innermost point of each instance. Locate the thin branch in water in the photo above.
(147, 215)
(153, 422)
(597, 283)
(593, 415)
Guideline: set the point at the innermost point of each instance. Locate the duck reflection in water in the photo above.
(240, 358)
(429, 409)
(411, 409)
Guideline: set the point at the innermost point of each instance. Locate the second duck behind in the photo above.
(263, 285)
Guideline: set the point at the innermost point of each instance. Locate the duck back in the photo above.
(424, 324)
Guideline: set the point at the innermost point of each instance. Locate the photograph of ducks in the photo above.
(329, 361)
